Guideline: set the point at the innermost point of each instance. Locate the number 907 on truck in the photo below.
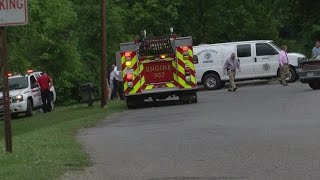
(158, 68)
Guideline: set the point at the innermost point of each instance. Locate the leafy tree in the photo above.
(223, 21)
(64, 36)
(48, 43)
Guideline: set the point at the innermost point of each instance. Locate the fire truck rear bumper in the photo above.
(162, 90)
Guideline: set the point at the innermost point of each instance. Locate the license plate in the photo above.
(309, 74)
(158, 72)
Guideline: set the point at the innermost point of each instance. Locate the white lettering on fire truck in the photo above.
(158, 68)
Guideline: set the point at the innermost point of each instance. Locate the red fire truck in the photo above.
(157, 68)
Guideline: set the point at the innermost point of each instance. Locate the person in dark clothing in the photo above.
(45, 83)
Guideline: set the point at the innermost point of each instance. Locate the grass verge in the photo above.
(44, 146)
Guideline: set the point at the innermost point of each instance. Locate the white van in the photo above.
(258, 60)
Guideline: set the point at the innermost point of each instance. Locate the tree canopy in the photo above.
(63, 36)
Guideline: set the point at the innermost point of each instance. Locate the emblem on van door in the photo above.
(266, 67)
(207, 56)
(207, 51)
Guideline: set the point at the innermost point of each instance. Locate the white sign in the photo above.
(13, 12)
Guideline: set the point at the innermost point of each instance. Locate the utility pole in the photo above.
(104, 84)
(6, 102)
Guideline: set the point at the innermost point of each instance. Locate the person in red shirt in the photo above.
(45, 83)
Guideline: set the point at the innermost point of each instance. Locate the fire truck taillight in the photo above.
(128, 56)
(185, 48)
(129, 79)
(185, 51)
(187, 71)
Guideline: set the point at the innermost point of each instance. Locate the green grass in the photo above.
(44, 146)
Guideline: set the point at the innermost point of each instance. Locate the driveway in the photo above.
(257, 133)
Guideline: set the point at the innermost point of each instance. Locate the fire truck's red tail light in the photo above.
(185, 50)
(129, 79)
(128, 56)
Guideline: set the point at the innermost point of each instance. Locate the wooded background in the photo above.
(63, 36)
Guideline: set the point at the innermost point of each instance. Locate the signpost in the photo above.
(12, 13)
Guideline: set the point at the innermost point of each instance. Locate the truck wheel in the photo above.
(130, 104)
(189, 97)
(194, 98)
(292, 75)
(212, 81)
(29, 108)
(314, 85)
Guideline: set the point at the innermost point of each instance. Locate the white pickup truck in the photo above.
(25, 94)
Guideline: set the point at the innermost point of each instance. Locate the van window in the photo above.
(33, 82)
(244, 50)
(264, 49)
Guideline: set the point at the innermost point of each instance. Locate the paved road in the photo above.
(258, 133)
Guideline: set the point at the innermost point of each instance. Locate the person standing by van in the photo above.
(284, 65)
(316, 50)
(45, 83)
(230, 67)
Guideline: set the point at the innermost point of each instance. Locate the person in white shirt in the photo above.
(111, 76)
(117, 83)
